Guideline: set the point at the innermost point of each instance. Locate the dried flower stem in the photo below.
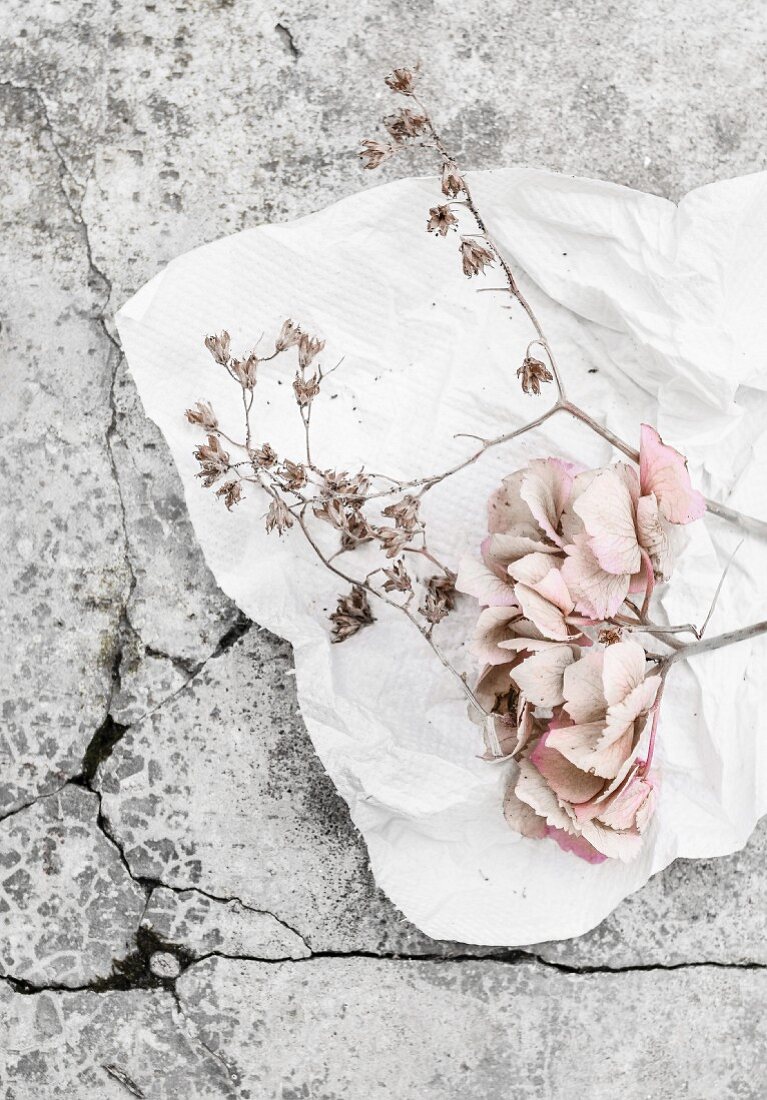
(404, 608)
(719, 641)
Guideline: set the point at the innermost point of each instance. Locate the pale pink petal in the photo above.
(582, 688)
(620, 811)
(623, 669)
(568, 782)
(539, 677)
(546, 489)
(500, 550)
(547, 617)
(586, 811)
(521, 817)
(494, 688)
(624, 846)
(531, 569)
(607, 510)
(578, 845)
(653, 536)
(475, 579)
(628, 476)
(663, 471)
(597, 593)
(646, 811)
(578, 743)
(637, 703)
(493, 626)
(528, 639)
(532, 789)
(554, 589)
(507, 511)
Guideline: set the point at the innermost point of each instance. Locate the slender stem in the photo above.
(707, 645)
(426, 634)
(655, 719)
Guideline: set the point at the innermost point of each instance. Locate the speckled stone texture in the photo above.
(178, 879)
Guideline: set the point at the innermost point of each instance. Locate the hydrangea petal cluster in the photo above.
(566, 547)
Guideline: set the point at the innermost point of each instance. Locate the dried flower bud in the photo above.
(397, 578)
(218, 346)
(351, 614)
(610, 636)
(392, 540)
(264, 457)
(355, 529)
(289, 335)
(441, 218)
(440, 597)
(375, 153)
(475, 257)
(405, 124)
(306, 389)
(292, 475)
(231, 491)
(402, 81)
(245, 370)
(342, 484)
(203, 414)
(331, 511)
(309, 348)
(404, 512)
(213, 459)
(278, 518)
(533, 372)
(452, 181)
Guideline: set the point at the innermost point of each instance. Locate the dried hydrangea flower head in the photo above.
(568, 697)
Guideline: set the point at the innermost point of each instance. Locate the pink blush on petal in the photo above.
(575, 844)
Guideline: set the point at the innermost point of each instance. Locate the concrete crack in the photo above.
(288, 41)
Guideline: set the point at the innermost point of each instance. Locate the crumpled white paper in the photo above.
(656, 313)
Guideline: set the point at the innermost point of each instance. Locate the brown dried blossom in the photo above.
(351, 614)
(278, 518)
(289, 335)
(246, 370)
(397, 578)
(405, 124)
(355, 529)
(404, 512)
(306, 389)
(231, 491)
(342, 484)
(610, 636)
(218, 346)
(292, 475)
(475, 257)
(264, 457)
(440, 597)
(213, 459)
(375, 153)
(402, 81)
(202, 414)
(533, 372)
(309, 348)
(441, 219)
(452, 181)
(392, 540)
(330, 511)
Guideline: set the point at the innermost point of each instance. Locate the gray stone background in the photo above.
(185, 909)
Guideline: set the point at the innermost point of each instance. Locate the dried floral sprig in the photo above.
(557, 592)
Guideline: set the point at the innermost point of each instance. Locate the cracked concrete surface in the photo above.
(185, 908)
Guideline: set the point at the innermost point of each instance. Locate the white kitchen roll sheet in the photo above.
(655, 313)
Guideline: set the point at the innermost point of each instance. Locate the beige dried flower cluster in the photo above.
(569, 687)
(299, 491)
